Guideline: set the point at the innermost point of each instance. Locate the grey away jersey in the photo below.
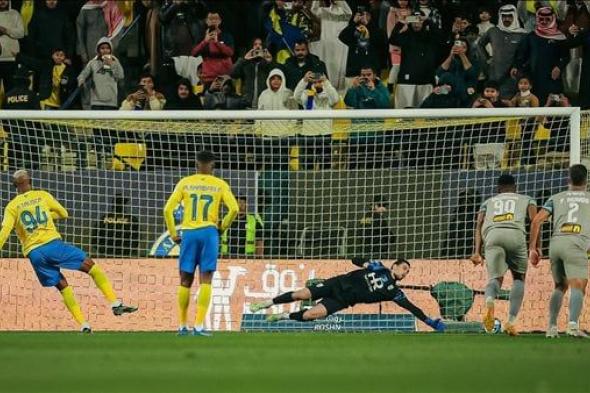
(571, 213)
(506, 210)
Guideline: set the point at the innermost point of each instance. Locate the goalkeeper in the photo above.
(373, 283)
(32, 214)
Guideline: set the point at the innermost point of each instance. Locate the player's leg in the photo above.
(560, 287)
(71, 304)
(187, 264)
(576, 271)
(207, 260)
(316, 291)
(49, 276)
(518, 262)
(101, 281)
(327, 306)
(496, 265)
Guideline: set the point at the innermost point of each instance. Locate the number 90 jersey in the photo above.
(571, 213)
(30, 215)
(506, 210)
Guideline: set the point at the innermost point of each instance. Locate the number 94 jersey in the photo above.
(506, 210)
(30, 215)
(571, 213)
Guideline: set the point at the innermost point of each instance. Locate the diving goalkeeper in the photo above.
(373, 283)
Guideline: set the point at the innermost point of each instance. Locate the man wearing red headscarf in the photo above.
(543, 55)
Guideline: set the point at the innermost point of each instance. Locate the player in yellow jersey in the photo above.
(32, 213)
(201, 195)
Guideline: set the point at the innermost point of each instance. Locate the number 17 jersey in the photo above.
(30, 215)
(571, 213)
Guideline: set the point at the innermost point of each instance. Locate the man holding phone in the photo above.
(145, 97)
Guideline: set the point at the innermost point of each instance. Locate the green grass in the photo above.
(279, 362)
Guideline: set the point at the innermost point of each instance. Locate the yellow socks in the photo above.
(72, 304)
(184, 295)
(202, 305)
(102, 282)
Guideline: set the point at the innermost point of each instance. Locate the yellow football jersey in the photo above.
(201, 196)
(31, 214)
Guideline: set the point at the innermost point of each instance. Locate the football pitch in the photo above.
(284, 362)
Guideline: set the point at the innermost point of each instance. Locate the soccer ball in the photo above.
(497, 326)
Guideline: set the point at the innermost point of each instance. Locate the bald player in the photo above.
(568, 248)
(31, 214)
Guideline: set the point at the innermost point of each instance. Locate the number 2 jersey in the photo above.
(506, 210)
(30, 214)
(571, 213)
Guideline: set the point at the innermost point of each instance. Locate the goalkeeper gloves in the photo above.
(436, 324)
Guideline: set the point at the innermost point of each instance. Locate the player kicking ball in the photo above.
(373, 283)
(32, 213)
(501, 227)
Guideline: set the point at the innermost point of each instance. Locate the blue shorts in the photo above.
(199, 247)
(49, 258)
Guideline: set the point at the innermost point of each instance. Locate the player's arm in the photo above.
(539, 219)
(173, 201)
(401, 300)
(7, 225)
(360, 261)
(532, 212)
(476, 257)
(57, 211)
(232, 209)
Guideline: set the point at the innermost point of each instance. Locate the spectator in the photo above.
(282, 35)
(276, 96)
(117, 232)
(367, 91)
(574, 12)
(379, 10)
(334, 16)
(524, 98)
(104, 72)
(485, 16)
(152, 34)
(301, 17)
(419, 42)
(443, 95)
(464, 69)
(302, 62)
(145, 97)
(527, 11)
(578, 37)
(432, 13)
(216, 48)
(543, 55)
(365, 44)
(504, 40)
(253, 70)
(397, 13)
(182, 24)
(11, 30)
(244, 237)
(314, 91)
(184, 99)
(222, 95)
(56, 78)
(460, 25)
(90, 27)
(490, 97)
(559, 132)
(51, 28)
(20, 96)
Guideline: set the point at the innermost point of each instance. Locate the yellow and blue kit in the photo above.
(31, 215)
(202, 196)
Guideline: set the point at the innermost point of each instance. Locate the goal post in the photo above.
(323, 186)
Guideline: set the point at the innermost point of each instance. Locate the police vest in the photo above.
(251, 220)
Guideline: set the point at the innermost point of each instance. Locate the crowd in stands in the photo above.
(193, 54)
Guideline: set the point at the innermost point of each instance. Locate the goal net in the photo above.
(317, 189)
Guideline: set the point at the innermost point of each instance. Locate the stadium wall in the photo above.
(151, 284)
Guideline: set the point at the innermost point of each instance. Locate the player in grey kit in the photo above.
(568, 248)
(501, 227)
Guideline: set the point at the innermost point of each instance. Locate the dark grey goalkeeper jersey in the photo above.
(506, 210)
